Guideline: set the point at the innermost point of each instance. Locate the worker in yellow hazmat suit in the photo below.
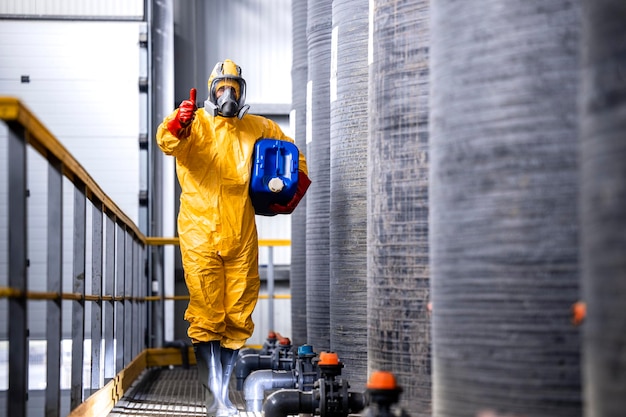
(213, 148)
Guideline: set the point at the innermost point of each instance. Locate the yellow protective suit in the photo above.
(216, 223)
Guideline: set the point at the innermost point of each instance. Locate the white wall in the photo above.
(65, 8)
(84, 88)
(83, 85)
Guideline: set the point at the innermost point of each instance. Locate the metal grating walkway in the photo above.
(173, 392)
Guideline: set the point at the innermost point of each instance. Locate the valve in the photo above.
(383, 393)
(302, 376)
(335, 400)
(281, 359)
(305, 369)
(282, 356)
(328, 398)
(270, 344)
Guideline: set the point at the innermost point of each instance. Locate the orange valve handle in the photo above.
(382, 380)
(328, 358)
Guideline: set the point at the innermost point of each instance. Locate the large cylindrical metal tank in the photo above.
(603, 214)
(299, 77)
(348, 188)
(504, 218)
(397, 244)
(318, 158)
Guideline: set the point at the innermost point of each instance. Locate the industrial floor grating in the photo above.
(173, 392)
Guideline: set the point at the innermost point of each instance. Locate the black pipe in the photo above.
(356, 402)
(277, 361)
(293, 402)
(248, 363)
(258, 382)
(287, 402)
(249, 351)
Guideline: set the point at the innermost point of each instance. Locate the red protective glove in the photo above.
(184, 116)
(303, 185)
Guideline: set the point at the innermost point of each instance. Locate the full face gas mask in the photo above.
(227, 91)
(227, 104)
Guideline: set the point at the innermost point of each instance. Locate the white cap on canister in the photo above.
(276, 185)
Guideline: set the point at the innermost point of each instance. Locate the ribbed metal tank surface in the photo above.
(504, 218)
(299, 76)
(398, 267)
(603, 214)
(348, 188)
(318, 158)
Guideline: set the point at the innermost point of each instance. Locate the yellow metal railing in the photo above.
(13, 111)
(118, 285)
(7, 292)
(123, 240)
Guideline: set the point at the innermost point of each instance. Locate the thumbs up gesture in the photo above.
(179, 124)
(187, 109)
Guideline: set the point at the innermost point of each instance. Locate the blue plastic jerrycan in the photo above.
(274, 173)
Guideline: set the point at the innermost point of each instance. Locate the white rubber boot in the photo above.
(229, 359)
(210, 354)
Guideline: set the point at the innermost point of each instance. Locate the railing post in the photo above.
(78, 287)
(138, 306)
(128, 291)
(109, 304)
(55, 275)
(119, 303)
(18, 331)
(96, 290)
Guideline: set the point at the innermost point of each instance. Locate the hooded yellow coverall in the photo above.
(216, 222)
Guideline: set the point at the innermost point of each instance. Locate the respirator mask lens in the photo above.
(227, 103)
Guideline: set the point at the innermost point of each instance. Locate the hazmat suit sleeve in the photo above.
(168, 142)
